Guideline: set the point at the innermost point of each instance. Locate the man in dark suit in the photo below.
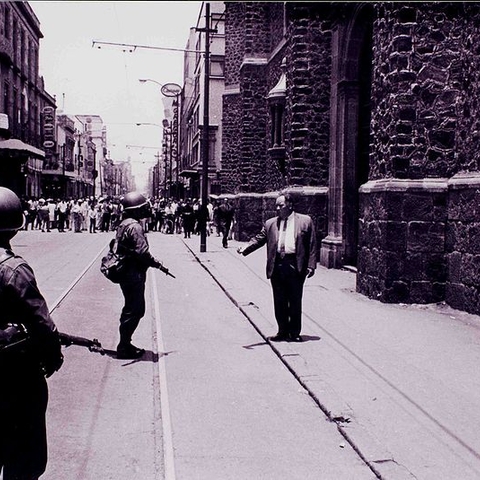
(291, 258)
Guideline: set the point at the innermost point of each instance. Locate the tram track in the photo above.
(284, 359)
(163, 435)
(79, 277)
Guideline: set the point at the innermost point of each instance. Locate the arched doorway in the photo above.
(350, 132)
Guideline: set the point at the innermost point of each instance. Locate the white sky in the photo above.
(88, 80)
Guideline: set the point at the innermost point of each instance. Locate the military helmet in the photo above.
(11, 212)
(133, 200)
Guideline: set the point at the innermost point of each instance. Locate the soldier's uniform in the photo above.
(24, 397)
(134, 245)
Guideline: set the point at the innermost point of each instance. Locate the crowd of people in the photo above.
(103, 214)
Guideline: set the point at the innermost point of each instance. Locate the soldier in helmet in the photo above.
(132, 243)
(24, 393)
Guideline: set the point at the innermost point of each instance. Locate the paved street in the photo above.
(374, 390)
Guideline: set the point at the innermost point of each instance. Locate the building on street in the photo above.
(193, 103)
(27, 111)
(368, 112)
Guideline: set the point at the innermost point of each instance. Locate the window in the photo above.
(217, 68)
(16, 116)
(276, 99)
(6, 97)
(6, 20)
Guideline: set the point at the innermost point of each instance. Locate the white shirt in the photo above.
(289, 234)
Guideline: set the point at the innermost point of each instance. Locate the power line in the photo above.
(134, 46)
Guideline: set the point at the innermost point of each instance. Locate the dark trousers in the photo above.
(133, 309)
(23, 438)
(225, 228)
(287, 286)
(61, 221)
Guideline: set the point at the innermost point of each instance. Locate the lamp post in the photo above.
(206, 127)
(171, 90)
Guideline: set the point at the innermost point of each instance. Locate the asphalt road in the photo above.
(209, 400)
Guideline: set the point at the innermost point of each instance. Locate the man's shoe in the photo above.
(297, 339)
(278, 338)
(129, 353)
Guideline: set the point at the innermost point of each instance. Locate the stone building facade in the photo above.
(26, 109)
(379, 126)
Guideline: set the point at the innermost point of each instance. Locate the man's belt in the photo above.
(285, 256)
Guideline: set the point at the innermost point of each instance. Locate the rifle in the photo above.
(166, 271)
(15, 337)
(92, 345)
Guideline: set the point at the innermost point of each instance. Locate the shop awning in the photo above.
(189, 173)
(16, 148)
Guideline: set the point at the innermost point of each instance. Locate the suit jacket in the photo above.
(305, 243)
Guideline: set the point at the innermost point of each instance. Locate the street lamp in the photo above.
(171, 90)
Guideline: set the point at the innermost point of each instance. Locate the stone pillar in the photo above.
(402, 240)
(463, 242)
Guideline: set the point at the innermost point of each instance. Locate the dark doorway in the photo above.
(358, 165)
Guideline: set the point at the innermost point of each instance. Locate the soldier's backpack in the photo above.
(113, 263)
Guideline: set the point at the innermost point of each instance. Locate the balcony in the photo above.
(6, 51)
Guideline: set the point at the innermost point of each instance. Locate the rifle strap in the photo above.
(123, 225)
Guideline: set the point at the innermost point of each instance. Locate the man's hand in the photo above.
(310, 272)
(240, 250)
(52, 364)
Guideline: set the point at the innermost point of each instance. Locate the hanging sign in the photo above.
(171, 89)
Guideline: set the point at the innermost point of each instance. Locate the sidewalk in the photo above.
(401, 381)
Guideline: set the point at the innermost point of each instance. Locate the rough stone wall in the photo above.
(415, 89)
(231, 144)
(308, 100)
(468, 79)
(234, 41)
(276, 16)
(463, 243)
(402, 241)
(463, 227)
(247, 169)
(425, 123)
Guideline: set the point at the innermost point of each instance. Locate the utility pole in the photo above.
(206, 126)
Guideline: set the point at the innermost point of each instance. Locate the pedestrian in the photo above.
(52, 207)
(23, 371)
(216, 219)
(225, 217)
(77, 216)
(32, 212)
(92, 217)
(291, 258)
(62, 208)
(132, 243)
(188, 219)
(106, 215)
(43, 215)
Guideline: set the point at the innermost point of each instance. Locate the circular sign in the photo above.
(48, 144)
(171, 90)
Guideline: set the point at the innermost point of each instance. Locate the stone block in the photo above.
(397, 292)
(454, 266)
(421, 292)
(395, 236)
(455, 295)
(436, 269)
(426, 237)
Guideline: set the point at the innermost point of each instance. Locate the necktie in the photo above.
(283, 234)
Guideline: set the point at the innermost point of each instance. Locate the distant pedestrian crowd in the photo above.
(75, 214)
(103, 214)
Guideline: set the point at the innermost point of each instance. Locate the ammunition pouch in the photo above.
(14, 339)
